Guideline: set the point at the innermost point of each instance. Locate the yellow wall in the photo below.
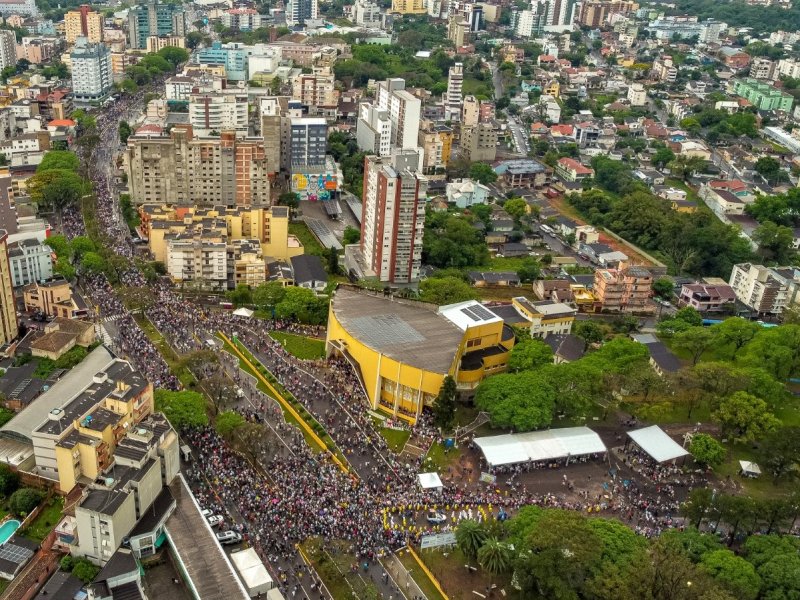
(447, 146)
(407, 7)
(68, 473)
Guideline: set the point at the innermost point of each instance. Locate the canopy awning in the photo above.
(243, 312)
(749, 468)
(430, 481)
(540, 445)
(655, 442)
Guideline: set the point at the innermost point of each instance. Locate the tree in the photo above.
(445, 290)
(470, 536)
(589, 331)
(620, 544)
(745, 417)
(269, 295)
(9, 480)
(124, 132)
(253, 440)
(59, 244)
(523, 401)
(93, 263)
(781, 577)
(174, 55)
(228, 422)
(219, 389)
(332, 258)
(482, 172)
(516, 208)
(706, 450)
(302, 304)
(351, 236)
(732, 572)
(691, 542)
(444, 405)
(495, 556)
(80, 245)
(24, 500)
(775, 242)
(695, 341)
(529, 354)
(85, 570)
(663, 287)
(64, 268)
(780, 452)
(58, 159)
(184, 409)
(55, 189)
(737, 332)
(290, 199)
(663, 156)
(241, 295)
(529, 270)
(768, 167)
(685, 166)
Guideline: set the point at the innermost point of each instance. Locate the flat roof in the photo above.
(655, 442)
(408, 332)
(468, 314)
(539, 445)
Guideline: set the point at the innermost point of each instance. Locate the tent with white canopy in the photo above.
(749, 469)
(430, 481)
(550, 444)
(243, 312)
(657, 444)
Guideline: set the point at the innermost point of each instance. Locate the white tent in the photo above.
(540, 445)
(243, 312)
(657, 444)
(750, 469)
(254, 574)
(430, 481)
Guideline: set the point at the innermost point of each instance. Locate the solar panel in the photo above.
(470, 314)
(482, 312)
(16, 554)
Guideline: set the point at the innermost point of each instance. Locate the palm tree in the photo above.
(495, 556)
(470, 536)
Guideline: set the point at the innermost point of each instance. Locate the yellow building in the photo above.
(9, 328)
(403, 349)
(83, 22)
(270, 226)
(552, 89)
(409, 7)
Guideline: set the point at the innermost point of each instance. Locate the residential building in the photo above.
(530, 23)
(470, 113)
(38, 51)
(403, 111)
(788, 67)
(30, 261)
(53, 298)
(453, 100)
(393, 217)
(594, 13)
(8, 48)
(637, 95)
(83, 22)
(522, 172)
(218, 111)
(244, 19)
(157, 42)
(60, 336)
(479, 143)
(300, 11)
(199, 257)
(570, 169)
(367, 14)
(458, 30)
(559, 15)
(403, 372)
(466, 192)
(308, 143)
(707, 298)
(542, 318)
(662, 359)
(20, 7)
(760, 288)
(374, 129)
(317, 91)
(185, 169)
(436, 142)
(624, 289)
(91, 71)
(409, 7)
(762, 68)
(762, 95)
(154, 19)
(9, 327)
(232, 56)
(308, 272)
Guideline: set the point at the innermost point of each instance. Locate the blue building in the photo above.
(154, 19)
(231, 56)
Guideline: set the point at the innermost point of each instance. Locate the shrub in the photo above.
(67, 563)
(84, 570)
(9, 480)
(24, 500)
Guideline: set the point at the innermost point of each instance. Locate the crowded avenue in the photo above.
(289, 493)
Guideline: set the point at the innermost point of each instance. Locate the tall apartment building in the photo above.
(8, 48)
(470, 112)
(409, 7)
(83, 22)
(218, 111)
(308, 143)
(185, 169)
(9, 328)
(458, 30)
(393, 217)
(199, 257)
(20, 7)
(30, 261)
(374, 129)
(300, 11)
(154, 19)
(625, 289)
(92, 78)
(595, 13)
(367, 14)
(316, 90)
(760, 288)
(479, 143)
(436, 142)
(38, 51)
(554, 16)
(762, 68)
(243, 19)
(403, 111)
(453, 99)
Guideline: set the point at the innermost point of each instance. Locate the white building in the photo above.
(30, 261)
(300, 11)
(453, 99)
(525, 23)
(218, 111)
(26, 7)
(788, 67)
(8, 48)
(374, 130)
(466, 192)
(367, 14)
(204, 261)
(243, 19)
(637, 95)
(91, 71)
(403, 111)
(760, 288)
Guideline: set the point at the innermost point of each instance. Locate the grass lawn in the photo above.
(395, 438)
(6, 415)
(448, 567)
(301, 231)
(500, 263)
(47, 519)
(300, 346)
(419, 576)
(439, 457)
(691, 195)
(475, 87)
(170, 356)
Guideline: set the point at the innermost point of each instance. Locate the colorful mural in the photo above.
(315, 186)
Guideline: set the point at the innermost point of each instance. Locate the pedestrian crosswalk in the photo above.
(102, 334)
(112, 318)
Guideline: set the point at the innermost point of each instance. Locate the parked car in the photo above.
(214, 520)
(436, 518)
(229, 537)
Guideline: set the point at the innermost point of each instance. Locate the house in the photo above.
(61, 335)
(667, 192)
(309, 272)
(502, 225)
(570, 169)
(566, 347)
(663, 361)
(493, 278)
(586, 234)
(690, 148)
(512, 249)
(555, 290)
(706, 298)
(565, 226)
(650, 177)
(280, 271)
(594, 250)
(722, 202)
(611, 259)
(54, 298)
(522, 172)
(684, 206)
(466, 192)
(561, 133)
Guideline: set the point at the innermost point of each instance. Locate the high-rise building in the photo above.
(559, 14)
(393, 217)
(92, 78)
(9, 327)
(8, 48)
(409, 7)
(316, 90)
(218, 111)
(83, 22)
(453, 100)
(470, 113)
(458, 30)
(374, 129)
(626, 289)
(20, 7)
(308, 142)
(181, 168)
(367, 13)
(300, 11)
(479, 143)
(30, 261)
(595, 13)
(154, 19)
(402, 110)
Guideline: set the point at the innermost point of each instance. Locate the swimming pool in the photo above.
(7, 529)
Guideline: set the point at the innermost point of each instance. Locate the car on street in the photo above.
(229, 537)
(436, 518)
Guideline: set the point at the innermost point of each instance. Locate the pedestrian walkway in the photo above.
(402, 577)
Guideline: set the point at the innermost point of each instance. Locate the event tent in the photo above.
(430, 481)
(657, 444)
(243, 312)
(749, 469)
(539, 445)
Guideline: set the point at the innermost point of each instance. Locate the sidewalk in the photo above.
(402, 578)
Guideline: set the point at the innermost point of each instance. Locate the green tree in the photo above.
(445, 290)
(9, 480)
(302, 304)
(124, 132)
(482, 172)
(780, 453)
(769, 168)
(67, 563)
(470, 536)
(269, 295)
(58, 159)
(775, 242)
(495, 557)
(228, 422)
(706, 450)
(523, 401)
(691, 542)
(174, 55)
(444, 405)
(81, 245)
(619, 542)
(93, 263)
(184, 409)
(59, 244)
(290, 199)
(737, 332)
(745, 417)
(351, 236)
(24, 500)
(663, 287)
(332, 258)
(663, 156)
(589, 331)
(529, 270)
(55, 189)
(516, 208)
(64, 268)
(733, 573)
(240, 296)
(529, 354)
(85, 570)
(695, 341)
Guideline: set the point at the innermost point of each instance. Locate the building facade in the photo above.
(9, 327)
(595, 13)
(479, 143)
(83, 22)
(626, 289)
(8, 48)
(762, 95)
(300, 11)
(92, 79)
(760, 288)
(218, 112)
(154, 19)
(30, 261)
(453, 100)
